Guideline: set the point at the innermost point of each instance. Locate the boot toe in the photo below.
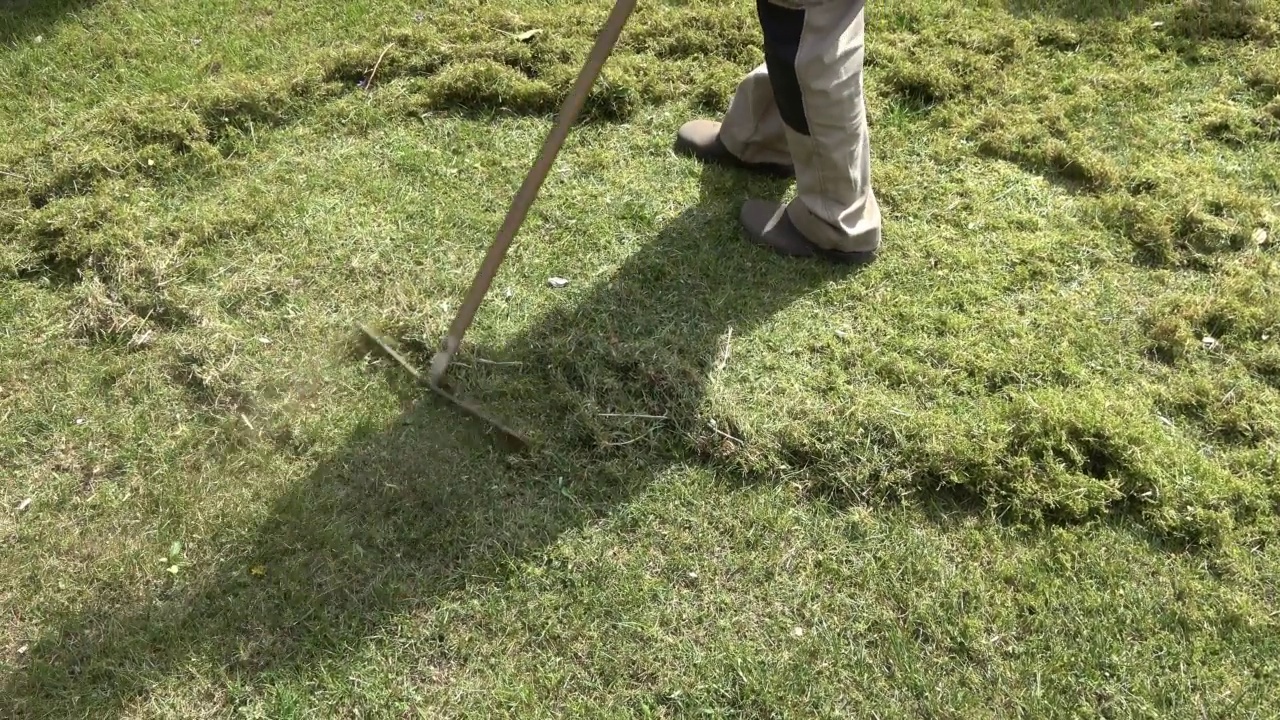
(768, 224)
(699, 138)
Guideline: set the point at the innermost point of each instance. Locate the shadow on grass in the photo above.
(420, 511)
(24, 19)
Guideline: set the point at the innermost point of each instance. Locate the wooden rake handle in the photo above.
(605, 43)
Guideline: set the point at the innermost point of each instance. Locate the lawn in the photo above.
(1025, 465)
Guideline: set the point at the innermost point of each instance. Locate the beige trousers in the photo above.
(804, 106)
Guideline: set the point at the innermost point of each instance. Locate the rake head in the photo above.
(439, 365)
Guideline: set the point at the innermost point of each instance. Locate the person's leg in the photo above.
(814, 55)
(752, 129)
(751, 135)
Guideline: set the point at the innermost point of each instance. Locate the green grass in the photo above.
(1024, 466)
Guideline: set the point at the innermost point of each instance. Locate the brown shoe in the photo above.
(701, 139)
(768, 224)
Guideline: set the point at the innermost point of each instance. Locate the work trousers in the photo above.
(804, 107)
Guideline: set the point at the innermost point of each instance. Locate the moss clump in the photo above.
(1187, 232)
(1046, 147)
(1048, 455)
(1236, 20)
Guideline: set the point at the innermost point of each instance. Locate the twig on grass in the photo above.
(632, 440)
(635, 416)
(368, 84)
(472, 361)
(722, 358)
(715, 427)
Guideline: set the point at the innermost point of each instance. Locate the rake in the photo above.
(524, 199)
